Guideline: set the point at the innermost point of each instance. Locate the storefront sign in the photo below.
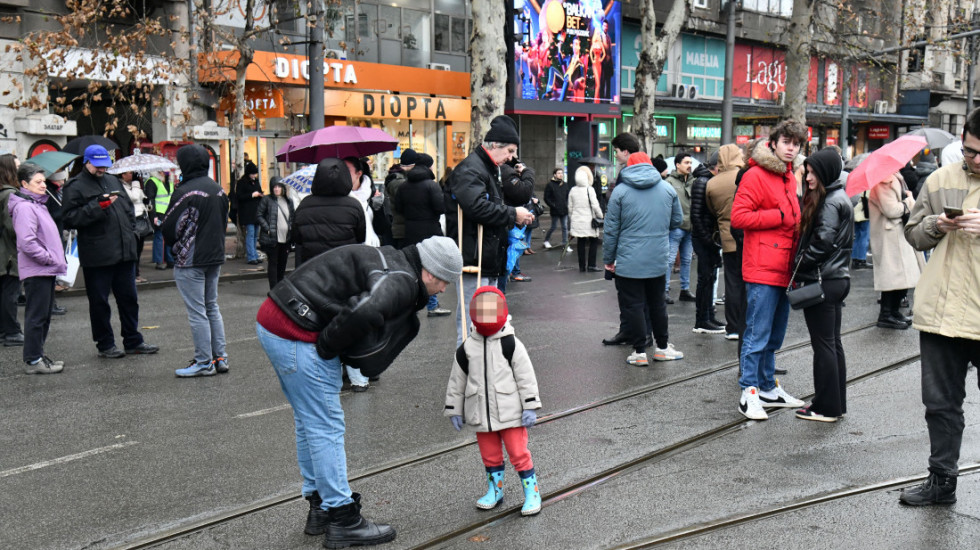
(377, 105)
(831, 140)
(210, 131)
(742, 140)
(47, 125)
(879, 131)
(260, 102)
(703, 132)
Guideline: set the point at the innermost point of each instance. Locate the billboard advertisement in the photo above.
(567, 51)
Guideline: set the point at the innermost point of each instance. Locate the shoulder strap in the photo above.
(507, 345)
(462, 359)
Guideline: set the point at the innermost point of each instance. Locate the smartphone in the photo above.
(113, 193)
(952, 212)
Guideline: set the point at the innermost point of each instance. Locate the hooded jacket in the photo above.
(704, 226)
(827, 245)
(268, 219)
(197, 217)
(767, 209)
(248, 206)
(421, 202)
(556, 197)
(329, 217)
(39, 250)
(494, 393)
(583, 206)
(642, 210)
(105, 237)
(720, 193)
(682, 185)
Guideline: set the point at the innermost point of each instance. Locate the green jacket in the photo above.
(8, 239)
(682, 184)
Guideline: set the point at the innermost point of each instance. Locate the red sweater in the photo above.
(277, 322)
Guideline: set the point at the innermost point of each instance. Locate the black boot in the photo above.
(937, 489)
(316, 518)
(617, 340)
(888, 316)
(346, 527)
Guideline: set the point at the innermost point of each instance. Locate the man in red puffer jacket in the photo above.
(767, 209)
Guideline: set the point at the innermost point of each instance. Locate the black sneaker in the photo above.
(937, 489)
(112, 353)
(617, 340)
(58, 310)
(143, 349)
(686, 296)
(892, 323)
(668, 300)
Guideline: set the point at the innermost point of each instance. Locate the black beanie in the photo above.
(826, 164)
(660, 164)
(503, 129)
(251, 168)
(409, 157)
(426, 160)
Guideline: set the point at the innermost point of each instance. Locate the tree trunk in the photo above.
(798, 60)
(652, 58)
(488, 69)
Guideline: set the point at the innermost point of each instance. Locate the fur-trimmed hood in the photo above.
(763, 156)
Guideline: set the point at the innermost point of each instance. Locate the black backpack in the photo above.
(507, 344)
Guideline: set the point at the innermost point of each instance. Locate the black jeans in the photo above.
(624, 315)
(634, 294)
(734, 293)
(277, 257)
(37, 315)
(891, 302)
(9, 291)
(945, 363)
(121, 280)
(708, 263)
(829, 367)
(593, 244)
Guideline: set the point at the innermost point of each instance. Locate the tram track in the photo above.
(161, 537)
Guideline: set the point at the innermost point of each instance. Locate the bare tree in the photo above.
(652, 59)
(488, 71)
(798, 60)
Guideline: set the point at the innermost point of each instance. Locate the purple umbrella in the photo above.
(335, 142)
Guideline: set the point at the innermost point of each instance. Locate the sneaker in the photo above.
(638, 359)
(777, 397)
(731, 336)
(520, 277)
(143, 349)
(749, 405)
(11, 340)
(358, 388)
(720, 301)
(568, 249)
(708, 328)
(667, 354)
(686, 296)
(160, 266)
(937, 489)
(40, 366)
(220, 364)
(112, 353)
(547, 245)
(439, 312)
(58, 364)
(807, 414)
(58, 310)
(196, 369)
(668, 300)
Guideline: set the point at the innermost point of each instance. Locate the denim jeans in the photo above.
(251, 234)
(198, 286)
(680, 240)
(470, 285)
(433, 302)
(862, 235)
(159, 250)
(312, 387)
(766, 316)
(356, 378)
(555, 222)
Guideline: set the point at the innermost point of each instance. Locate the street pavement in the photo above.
(121, 454)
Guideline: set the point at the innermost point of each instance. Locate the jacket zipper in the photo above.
(486, 384)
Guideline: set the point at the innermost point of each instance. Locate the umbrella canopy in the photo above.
(140, 162)
(952, 153)
(596, 161)
(936, 138)
(335, 142)
(884, 162)
(300, 180)
(53, 161)
(78, 145)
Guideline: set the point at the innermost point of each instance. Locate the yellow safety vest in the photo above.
(162, 199)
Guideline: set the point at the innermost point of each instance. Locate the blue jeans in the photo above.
(251, 233)
(557, 221)
(433, 302)
(766, 316)
(356, 378)
(198, 286)
(470, 285)
(680, 240)
(862, 234)
(159, 250)
(312, 387)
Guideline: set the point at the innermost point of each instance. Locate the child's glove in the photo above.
(457, 422)
(528, 418)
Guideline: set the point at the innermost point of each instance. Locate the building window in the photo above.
(450, 34)
(701, 4)
(782, 8)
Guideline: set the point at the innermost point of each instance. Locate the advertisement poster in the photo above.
(567, 50)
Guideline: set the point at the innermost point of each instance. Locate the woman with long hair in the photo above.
(823, 258)
(10, 332)
(275, 219)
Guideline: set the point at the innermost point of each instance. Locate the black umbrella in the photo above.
(597, 161)
(79, 144)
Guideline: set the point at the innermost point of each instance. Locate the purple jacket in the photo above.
(39, 249)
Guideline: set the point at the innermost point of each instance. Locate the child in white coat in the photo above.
(498, 395)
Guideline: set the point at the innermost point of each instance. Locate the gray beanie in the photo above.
(441, 257)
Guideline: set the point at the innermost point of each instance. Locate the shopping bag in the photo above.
(71, 255)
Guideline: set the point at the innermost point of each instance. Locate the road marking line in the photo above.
(587, 293)
(64, 459)
(264, 411)
(589, 282)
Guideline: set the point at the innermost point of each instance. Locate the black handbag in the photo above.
(807, 295)
(597, 223)
(142, 226)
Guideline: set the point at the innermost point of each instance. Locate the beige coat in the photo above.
(498, 388)
(583, 205)
(947, 298)
(896, 264)
(720, 192)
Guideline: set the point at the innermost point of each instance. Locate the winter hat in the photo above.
(251, 168)
(503, 129)
(583, 175)
(409, 156)
(826, 164)
(641, 158)
(659, 164)
(712, 160)
(425, 160)
(488, 310)
(441, 258)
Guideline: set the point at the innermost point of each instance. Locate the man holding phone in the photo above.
(946, 218)
(95, 205)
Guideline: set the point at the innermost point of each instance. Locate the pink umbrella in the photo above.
(884, 162)
(335, 142)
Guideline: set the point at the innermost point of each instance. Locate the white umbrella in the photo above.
(144, 163)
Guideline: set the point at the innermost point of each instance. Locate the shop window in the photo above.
(415, 38)
(441, 42)
(461, 39)
(782, 8)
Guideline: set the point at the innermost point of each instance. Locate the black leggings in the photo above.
(593, 244)
(276, 257)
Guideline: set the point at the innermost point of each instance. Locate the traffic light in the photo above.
(852, 133)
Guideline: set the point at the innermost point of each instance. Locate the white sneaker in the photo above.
(708, 330)
(547, 245)
(569, 249)
(638, 359)
(667, 354)
(750, 406)
(731, 336)
(777, 397)
(720, 301)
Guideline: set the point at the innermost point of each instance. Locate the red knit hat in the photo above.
(488, 310)
(638, 158)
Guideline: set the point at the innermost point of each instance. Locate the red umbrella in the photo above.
(335, 142)
(884, 162)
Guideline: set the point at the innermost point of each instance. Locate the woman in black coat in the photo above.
(329, 217)
(249, 193)
(275, 219)
(421, 202)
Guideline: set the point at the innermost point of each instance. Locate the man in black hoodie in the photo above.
(195, 229)
(704, 226)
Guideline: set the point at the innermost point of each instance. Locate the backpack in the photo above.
(507, 344)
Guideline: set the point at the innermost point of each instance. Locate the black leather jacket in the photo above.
(828, 243)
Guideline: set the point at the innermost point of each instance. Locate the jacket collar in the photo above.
(763, 156)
